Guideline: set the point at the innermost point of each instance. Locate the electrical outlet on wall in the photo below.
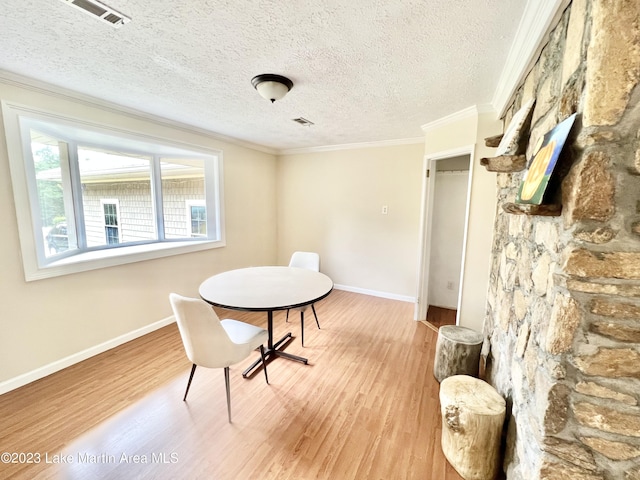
(385, 210)
(449, 285)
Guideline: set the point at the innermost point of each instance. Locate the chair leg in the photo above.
(287, 319)
(226, 384)
(314, 314)
(264, 363)
(302, 326)
(193, 370)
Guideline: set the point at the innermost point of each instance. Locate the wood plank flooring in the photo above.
(366, 407)
(439, 316)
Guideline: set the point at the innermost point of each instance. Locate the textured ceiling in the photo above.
(363, 70)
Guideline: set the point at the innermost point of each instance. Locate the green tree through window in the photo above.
(50, 193)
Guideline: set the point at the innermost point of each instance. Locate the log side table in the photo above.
(457, 352)
(473, 414)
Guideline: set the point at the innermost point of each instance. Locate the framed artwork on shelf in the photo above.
(511, 138)
(545, 156)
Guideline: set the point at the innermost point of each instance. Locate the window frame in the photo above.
(36, 265)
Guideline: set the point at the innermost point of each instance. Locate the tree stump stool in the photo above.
(457, 352)
(472, 418)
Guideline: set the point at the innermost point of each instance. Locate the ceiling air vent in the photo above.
(303, 121)
(100, 10)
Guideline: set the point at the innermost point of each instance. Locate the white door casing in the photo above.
(426, 221)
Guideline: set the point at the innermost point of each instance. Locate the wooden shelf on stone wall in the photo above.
(527, 209)
(505, 163)
(494, 141)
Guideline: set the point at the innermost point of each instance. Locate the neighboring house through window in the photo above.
(92, 189)
(197, 217)
(111, 229)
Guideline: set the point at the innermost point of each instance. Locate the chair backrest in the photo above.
(308, 260)
(205, 340)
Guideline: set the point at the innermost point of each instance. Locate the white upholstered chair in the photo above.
(214, 343)
(310, 261)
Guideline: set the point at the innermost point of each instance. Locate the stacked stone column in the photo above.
(564, 302)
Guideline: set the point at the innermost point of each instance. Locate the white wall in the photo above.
(330, 203)
(47, 321)
(450, 205)
(481, 220)
(470, 128)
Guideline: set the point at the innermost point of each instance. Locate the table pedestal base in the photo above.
(273, 349)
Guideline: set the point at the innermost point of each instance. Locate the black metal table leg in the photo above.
(273, 349)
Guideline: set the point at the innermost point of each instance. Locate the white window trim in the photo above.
(34, 270)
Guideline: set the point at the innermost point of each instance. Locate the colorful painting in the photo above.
(545, 157)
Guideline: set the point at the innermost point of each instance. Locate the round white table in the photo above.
(267, 289)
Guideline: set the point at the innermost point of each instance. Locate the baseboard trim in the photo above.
(63, 363)
(376, 293)
(432, 327)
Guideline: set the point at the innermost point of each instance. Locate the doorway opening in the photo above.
(443, 232)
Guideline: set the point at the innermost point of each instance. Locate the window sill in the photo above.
(118, 256)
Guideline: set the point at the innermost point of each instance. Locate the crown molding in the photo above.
(38, 86)
(530, 38)
(451, 118)
(352, 146)
(472, 111)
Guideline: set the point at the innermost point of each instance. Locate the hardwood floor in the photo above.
(366, 407)
(438, 316)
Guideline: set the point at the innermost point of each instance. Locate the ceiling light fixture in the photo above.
(270, 86)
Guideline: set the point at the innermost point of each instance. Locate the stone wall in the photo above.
(563, 314)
